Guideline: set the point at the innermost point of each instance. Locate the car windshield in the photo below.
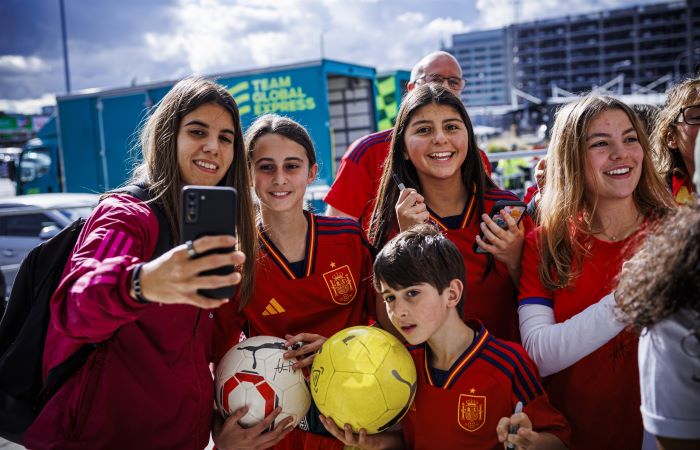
(74, 213)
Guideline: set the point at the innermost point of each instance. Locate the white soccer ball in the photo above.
(254, 373)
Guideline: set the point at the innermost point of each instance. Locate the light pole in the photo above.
(65, 46)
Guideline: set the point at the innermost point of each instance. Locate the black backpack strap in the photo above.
(58, 375)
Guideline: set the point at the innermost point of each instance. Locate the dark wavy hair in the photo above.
(384, 220)
(663, 277)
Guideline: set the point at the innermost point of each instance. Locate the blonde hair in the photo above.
(565, 213)
(669, 160)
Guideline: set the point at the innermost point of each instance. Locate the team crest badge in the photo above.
(341, 285)
(471, 411)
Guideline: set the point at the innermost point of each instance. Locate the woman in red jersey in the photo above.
(601, 190)
(434, 156)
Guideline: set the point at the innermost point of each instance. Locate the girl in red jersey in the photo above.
(313, 273)
(674, 138)
(434, 155)
(601, 189)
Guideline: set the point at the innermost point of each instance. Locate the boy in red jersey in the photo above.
(469, 382)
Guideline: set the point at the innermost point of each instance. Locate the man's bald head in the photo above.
(437, 63)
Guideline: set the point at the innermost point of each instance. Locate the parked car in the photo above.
(28, 220)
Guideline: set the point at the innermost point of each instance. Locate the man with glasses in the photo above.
(355, 187)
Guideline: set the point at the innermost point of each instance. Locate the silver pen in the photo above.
(514, 428)
(398, 182)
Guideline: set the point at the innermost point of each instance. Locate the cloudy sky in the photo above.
(117, 43)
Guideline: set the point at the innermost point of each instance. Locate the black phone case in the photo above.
(497, 207)
(208, 211)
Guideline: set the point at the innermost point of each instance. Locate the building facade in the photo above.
(639, 49)
(485, 64)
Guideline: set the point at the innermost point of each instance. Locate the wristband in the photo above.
(136, 284)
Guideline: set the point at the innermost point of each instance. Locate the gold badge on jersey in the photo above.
(471, 411)
(341, 285)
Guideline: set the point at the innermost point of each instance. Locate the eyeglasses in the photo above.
(453, 83)
(691, 114)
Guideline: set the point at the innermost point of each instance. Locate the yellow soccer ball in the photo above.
(365, 377)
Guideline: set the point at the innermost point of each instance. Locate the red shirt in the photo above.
(357, 180)
(334, 292)
(482, 386)
(683, 190)
(599, 394)
(491, 298)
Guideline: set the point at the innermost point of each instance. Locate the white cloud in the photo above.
(497, 13)
(27, 106)
(410, 18)
(208, 37)
(22, 64)
(214, 36)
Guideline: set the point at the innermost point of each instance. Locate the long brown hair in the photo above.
(159, 170)
(670, 162)
(384, 217)
(565, 212)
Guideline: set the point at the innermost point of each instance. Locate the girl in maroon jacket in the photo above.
(148, 383)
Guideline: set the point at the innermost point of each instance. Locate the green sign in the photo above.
(276, 94)
(15, 123)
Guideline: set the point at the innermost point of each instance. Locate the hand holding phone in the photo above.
(210, 211)
(516, 209)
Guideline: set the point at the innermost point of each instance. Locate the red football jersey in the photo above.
(683, 190)
(334, 292)
(482, 386)
(605, 384)
(491, 299)
(357, 180)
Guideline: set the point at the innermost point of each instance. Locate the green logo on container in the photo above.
(271, 95)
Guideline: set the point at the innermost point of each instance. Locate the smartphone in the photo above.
(207, 211)
(514, 207)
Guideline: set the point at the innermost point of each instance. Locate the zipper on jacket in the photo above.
(196, 321)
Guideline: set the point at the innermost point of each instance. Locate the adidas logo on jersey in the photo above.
(273, 308)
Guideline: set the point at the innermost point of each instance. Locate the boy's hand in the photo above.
(524, 439)
(361, 440)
